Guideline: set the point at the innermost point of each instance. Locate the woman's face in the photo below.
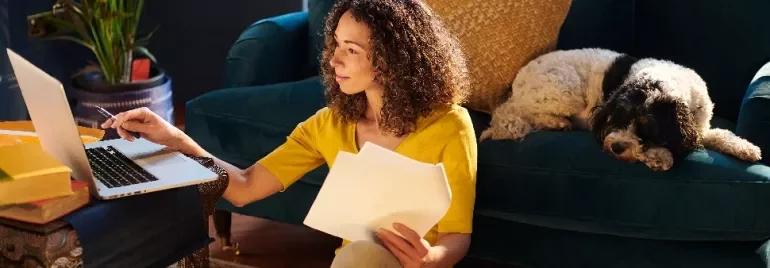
(350, 59)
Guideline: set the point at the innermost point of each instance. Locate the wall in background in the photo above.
(191, 43)
(9, 96)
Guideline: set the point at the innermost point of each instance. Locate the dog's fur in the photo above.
(648, 110)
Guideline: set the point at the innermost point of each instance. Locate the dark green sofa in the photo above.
(555, 199)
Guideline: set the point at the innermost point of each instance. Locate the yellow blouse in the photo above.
(445, 137)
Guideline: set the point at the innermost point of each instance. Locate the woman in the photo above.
(395, 78)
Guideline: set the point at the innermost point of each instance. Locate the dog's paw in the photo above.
(550, 122)
(499, 134)
(752, 153)
(563, 124)
(728, 143)
(514, 129)
(486, 134)
(658, 159)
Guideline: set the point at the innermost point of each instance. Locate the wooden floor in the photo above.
(268, 244)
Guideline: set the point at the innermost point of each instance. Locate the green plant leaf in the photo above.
(146, 40)
(143, 50)
(73, 39)
(108, 28)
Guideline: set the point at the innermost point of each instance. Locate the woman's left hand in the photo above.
(411, 250)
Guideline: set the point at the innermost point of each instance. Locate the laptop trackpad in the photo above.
(161, 160)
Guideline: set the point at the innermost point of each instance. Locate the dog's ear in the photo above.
(675, 124)
(599, 121)
(619, 108)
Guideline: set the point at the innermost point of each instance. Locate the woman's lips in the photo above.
(340, 78)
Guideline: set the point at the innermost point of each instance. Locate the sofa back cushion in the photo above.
(599, 23)
(317, 11)
(726, 42)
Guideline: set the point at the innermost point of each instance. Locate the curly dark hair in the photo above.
(417, 61)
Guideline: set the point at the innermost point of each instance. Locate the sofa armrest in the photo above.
(754, 115)
(270, 51)
(241, 125)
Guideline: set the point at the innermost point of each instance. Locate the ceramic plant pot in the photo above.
(89, 90)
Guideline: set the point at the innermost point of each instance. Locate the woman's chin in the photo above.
(348, 91)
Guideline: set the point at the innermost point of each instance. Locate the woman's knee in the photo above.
(364, 254)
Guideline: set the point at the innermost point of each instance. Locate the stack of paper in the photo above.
(371, 190)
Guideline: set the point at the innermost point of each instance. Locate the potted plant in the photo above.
(126, 76)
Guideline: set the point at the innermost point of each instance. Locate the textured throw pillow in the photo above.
(498, 38)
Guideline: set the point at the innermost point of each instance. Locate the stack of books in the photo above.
(35, 187)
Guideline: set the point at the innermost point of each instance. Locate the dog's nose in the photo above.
(618, 147)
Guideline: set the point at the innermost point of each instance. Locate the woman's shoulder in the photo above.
(448, 123)
(328, 115)
(323, 118)
(450, 132)
(455, 117)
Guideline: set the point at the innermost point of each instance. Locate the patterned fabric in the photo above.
(211, 192)
(499, 37)
(56, 244)
(26, 245)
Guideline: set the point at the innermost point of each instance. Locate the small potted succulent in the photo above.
(126, 76)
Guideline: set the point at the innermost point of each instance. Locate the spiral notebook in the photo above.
(373, 189)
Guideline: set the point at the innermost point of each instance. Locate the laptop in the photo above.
(112, 168)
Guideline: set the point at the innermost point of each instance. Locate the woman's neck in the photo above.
(374, 105)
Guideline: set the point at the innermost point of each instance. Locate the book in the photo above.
(28, 173)
(375, 188)
(48, 210)
(15, 132)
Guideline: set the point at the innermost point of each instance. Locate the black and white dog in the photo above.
(648, 110)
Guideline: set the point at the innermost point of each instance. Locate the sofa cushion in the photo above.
(723, 42)
(498, 37)
(564, 180)
(536, 246)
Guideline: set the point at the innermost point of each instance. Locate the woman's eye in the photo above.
(351, 51)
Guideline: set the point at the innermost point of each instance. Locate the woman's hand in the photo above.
(149, 125)
(411, 250)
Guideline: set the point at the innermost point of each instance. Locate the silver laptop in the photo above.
(113, 168)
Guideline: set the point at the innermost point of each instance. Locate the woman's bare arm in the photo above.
(451, 248)
(246, 186)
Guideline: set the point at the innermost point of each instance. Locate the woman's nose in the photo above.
(334, 61)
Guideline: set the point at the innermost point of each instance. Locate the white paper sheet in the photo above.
(373, 189)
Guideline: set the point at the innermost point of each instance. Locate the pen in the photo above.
(108, 115)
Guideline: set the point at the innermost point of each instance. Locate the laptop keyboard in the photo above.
(114, 169)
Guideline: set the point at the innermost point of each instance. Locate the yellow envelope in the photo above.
(16, 132)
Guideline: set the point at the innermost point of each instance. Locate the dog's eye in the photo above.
(644, 129)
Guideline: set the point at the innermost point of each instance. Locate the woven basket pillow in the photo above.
(498, 38)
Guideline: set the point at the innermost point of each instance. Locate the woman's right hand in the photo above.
(149, 125)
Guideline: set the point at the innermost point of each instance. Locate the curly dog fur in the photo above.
(647, 110)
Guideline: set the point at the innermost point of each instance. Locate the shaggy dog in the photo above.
(647, 110)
